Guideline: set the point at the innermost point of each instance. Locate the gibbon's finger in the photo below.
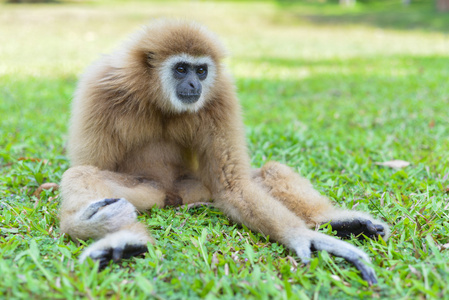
(374, 230)
(303, 249)
(379, 227)
(370, 226)
(343, 249)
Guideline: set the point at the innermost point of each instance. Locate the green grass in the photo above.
(329, 91)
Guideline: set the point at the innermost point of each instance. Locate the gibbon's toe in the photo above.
(366, 271)
(102, 256)
(359, 228)
(304, 249)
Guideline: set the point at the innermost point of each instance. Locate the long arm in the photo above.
(225, 170)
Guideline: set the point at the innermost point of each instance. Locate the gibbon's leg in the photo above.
(102, 205)
(225, 169)
(298, 195)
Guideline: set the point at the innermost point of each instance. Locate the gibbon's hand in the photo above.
(115, 246)
(118, 216)
(359, 228)
(312, 240)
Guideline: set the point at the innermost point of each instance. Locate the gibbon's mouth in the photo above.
(189, 98)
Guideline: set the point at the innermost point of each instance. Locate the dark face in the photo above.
(188, 78)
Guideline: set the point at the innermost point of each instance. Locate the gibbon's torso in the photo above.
(121, 125)
(146, 146)
(159, 160)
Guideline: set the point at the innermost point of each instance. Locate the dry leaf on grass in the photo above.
(395, 164)
(45, 186)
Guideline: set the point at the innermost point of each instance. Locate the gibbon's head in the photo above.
(177, 61)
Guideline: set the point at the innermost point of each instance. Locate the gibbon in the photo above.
(157, 123)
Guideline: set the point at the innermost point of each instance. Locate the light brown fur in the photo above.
(126, 142)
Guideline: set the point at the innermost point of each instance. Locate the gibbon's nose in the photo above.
(189, 91)
(195, 87)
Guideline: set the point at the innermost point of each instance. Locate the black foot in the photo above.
(358, 227)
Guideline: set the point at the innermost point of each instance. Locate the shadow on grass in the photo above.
(433, 63)
(419, 15)
(380, 114)
(402, 98)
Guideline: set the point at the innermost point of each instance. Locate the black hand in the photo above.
(117, 253)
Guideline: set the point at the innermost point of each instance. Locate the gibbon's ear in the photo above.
(150, 58)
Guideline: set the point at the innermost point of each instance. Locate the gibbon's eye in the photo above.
(181, 69)
(201, 71)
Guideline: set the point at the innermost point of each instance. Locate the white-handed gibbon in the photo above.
(157, 123)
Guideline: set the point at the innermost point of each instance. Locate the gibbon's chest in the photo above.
(159, 159)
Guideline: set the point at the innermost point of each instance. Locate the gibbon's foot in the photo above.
(311, 241)
(172, 199)
(359, 228)
(116, 246)
(107, 208)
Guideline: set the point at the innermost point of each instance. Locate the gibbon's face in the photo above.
(187, 81)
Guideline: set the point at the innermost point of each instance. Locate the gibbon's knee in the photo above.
(87, 183)
(88, 208)
(294, 191)
(79, 181)
(298, 194)
(98, 218)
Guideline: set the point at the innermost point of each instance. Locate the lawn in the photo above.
(329, 91)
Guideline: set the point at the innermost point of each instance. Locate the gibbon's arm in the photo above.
(92, 139)
(225, 170)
